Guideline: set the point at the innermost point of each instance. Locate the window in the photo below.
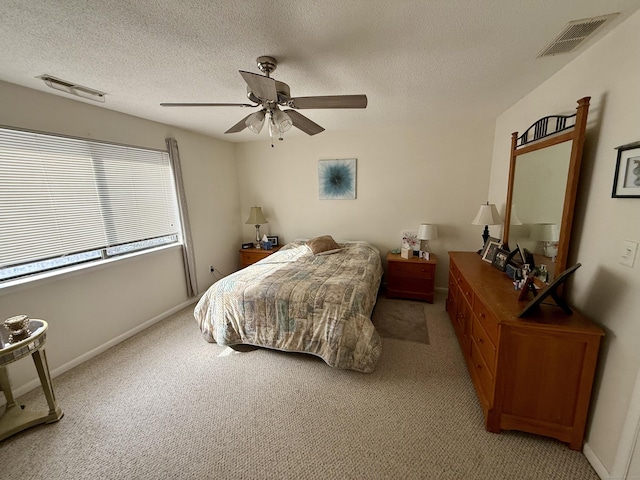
(65, 201)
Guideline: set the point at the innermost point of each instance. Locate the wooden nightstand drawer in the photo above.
(416, 285)
(410, 277)
(412, 270)
(249, 256)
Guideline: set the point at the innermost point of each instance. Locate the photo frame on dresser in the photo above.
(492, 245)
(551, 291)
(484, 249)
(500, 259)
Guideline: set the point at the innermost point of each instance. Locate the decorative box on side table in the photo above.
(249, 256)
(411, 278)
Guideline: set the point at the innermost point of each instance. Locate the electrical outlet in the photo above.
(628, 254)
(211, 268)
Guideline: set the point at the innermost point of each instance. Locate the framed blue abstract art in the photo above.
(337, 179)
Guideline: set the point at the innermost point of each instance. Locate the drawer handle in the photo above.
(479, 367)
(481, 315)
(480, 341)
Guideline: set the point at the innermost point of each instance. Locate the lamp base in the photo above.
(258, 237)
(485, 237)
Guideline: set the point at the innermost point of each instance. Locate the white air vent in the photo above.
(574, 34)
(73, 88)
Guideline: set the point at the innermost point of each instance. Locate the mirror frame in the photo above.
(537, 137)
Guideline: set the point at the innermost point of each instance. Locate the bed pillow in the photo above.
(323, 245)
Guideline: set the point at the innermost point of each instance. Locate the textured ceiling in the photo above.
(417, 61)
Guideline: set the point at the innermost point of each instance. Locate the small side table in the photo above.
(411, 277)
(15, 419)
(249, 256)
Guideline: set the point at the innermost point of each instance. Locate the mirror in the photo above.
(543, 180)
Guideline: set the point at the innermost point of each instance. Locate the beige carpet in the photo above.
(401, 319)
(168, 405)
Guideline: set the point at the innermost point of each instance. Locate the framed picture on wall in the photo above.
(626, 181)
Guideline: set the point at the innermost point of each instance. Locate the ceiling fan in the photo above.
(269, 94)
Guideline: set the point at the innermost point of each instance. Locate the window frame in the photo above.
(108, 253)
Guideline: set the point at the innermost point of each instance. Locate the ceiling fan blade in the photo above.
(238, 127)
(206, 105)
(330, 101)
(303, 123)
(262, 87)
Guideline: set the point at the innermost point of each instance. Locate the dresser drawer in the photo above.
(483, 375)
(454, 273)
(465, 290)
(453, 288)
(411, 270)
(488, 321)
(485, 344)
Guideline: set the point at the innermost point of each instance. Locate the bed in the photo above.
(296, 300)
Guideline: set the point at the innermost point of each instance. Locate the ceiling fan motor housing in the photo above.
(284, 94)
(266, 64)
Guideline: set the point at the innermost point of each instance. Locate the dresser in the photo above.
(532, 374)
(410, 277)
(249, 256)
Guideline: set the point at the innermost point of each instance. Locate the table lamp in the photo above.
(548, 235)
(487, 215)
(426, 232)
(256, 218)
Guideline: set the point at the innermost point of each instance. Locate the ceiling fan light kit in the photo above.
(255, 121)
(268, 94)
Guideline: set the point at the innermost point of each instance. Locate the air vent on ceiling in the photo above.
(574, 34)
(72, 88)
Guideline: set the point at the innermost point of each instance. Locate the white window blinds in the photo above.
(61, 196)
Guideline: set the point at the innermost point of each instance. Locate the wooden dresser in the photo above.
(249, 256)
(531, 374)
(411, 277)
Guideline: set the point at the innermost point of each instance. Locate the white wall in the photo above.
(89, 309)
(605, 290)
(428, 174)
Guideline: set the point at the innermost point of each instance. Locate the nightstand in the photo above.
(411, 278)
(249, 256)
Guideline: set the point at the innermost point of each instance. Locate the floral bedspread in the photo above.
(295, 301)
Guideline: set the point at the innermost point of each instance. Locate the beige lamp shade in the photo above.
(256, 217)
(427, 231)
(545, 232)
(487, 215)
(514, 216)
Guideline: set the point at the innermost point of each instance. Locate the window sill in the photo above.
(10, 286)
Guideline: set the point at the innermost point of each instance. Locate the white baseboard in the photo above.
(35, 383)
(595, 462)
